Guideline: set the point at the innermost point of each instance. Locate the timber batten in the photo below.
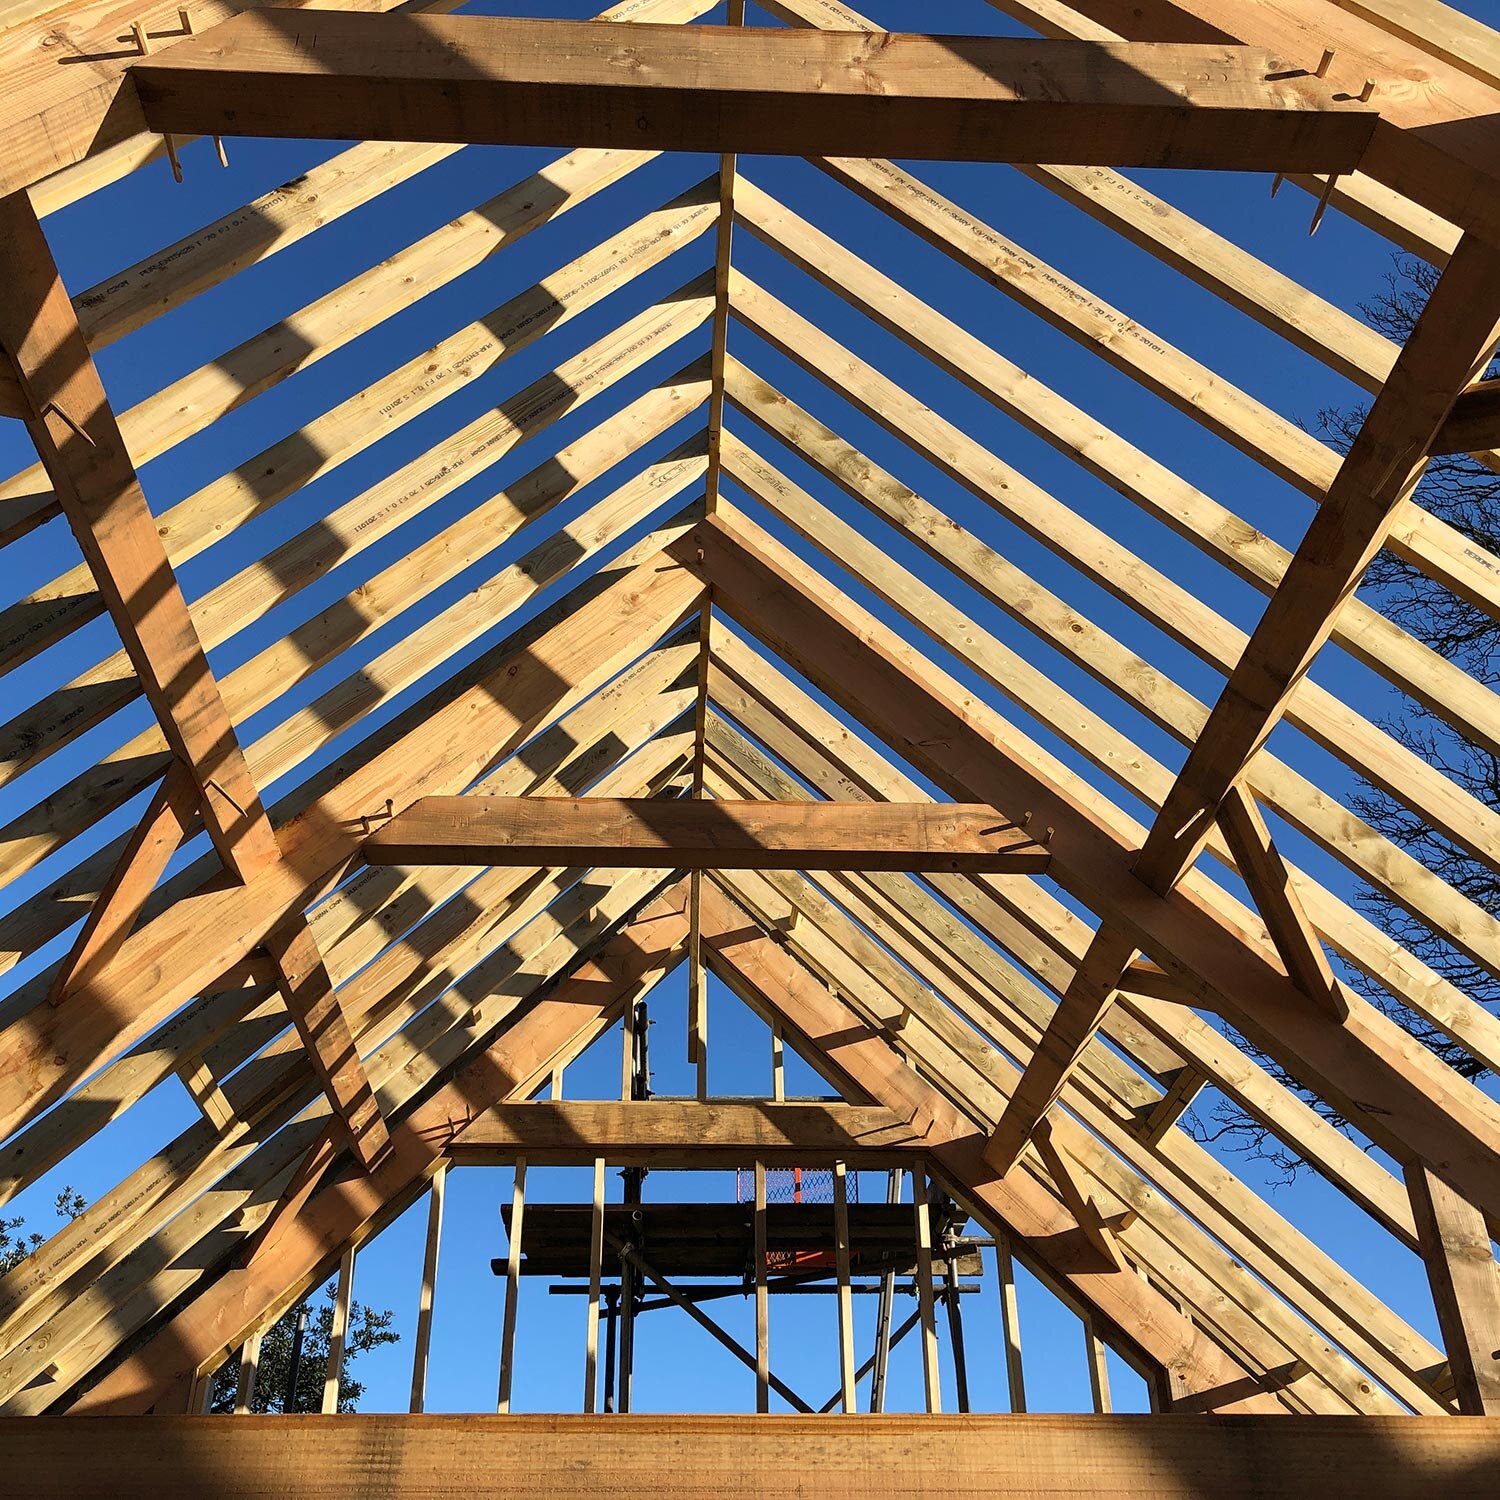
(716, 644)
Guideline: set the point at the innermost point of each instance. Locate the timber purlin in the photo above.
(709, 751)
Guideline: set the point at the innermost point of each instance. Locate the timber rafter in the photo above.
(667, 653)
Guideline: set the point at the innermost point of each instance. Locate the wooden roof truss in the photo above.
(343, 1018)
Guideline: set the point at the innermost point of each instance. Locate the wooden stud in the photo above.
(596, 1270)
(1010, 1324)
(1465, 1280)
(422, 1338)
(512, 1287)
(1098, 1363)
(244, 1391)
(931, 1382)
(338, 1333)
(762, 1296)
(627, 1053)
(847, 1391)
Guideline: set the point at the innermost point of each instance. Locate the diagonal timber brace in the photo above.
(1372, 1071)
(342, 1209)
(84, 453)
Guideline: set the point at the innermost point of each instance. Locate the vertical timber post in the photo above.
(512, 1287)
(338, 1334)
(422, 1343)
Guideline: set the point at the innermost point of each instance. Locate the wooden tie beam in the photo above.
(668, 1133)
(352, 75)
(709, 1457)
(698, 834)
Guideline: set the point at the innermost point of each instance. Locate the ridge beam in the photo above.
(706, 834)
(493, 81)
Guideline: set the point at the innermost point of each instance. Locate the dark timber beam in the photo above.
(353, 75)
(708, 834)
(1473, 426)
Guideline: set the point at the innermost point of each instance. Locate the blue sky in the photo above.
(681, 1369)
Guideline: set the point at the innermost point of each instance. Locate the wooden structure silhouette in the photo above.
(353, 1008)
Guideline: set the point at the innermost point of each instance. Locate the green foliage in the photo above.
(368, 1329)
(16, 1244)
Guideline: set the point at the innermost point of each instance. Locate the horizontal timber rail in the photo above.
(922, 1457)
(615, 833)
(685, 1134)
(524, 82)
